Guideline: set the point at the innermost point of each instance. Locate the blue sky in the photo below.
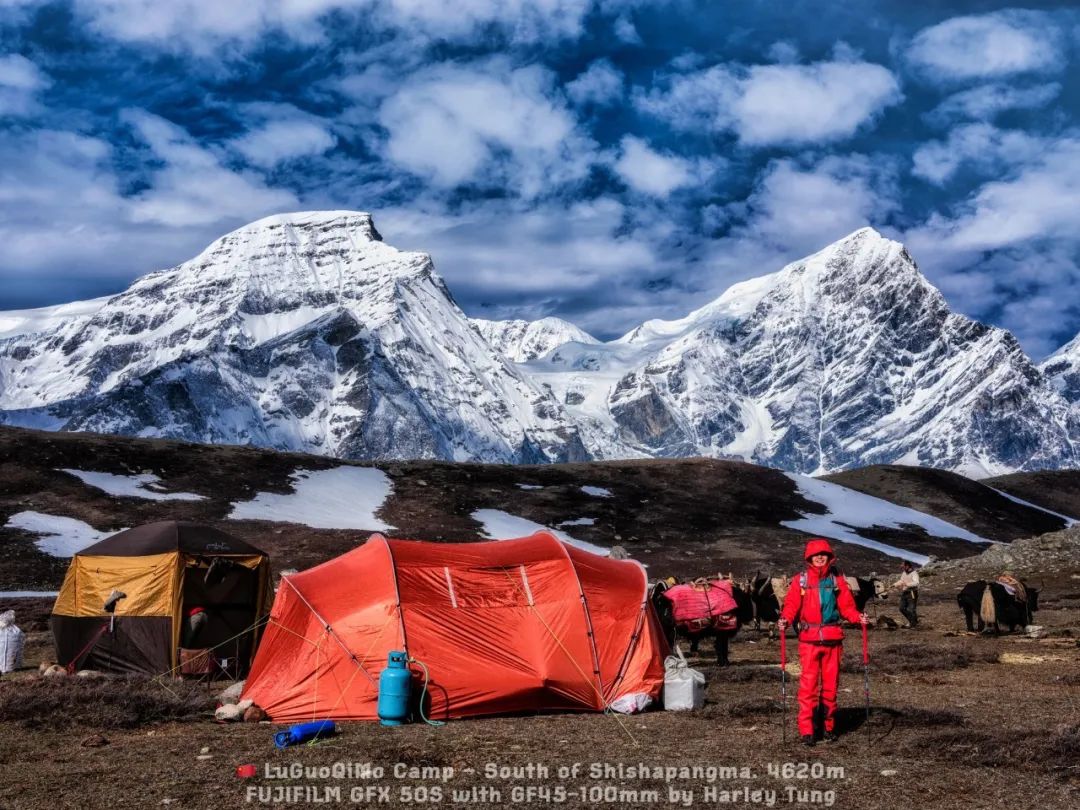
(606, 161)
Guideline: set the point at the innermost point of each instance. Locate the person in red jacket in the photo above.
(818, 599)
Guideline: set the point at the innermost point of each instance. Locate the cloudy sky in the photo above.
(606, 161)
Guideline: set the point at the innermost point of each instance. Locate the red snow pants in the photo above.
(820, 664)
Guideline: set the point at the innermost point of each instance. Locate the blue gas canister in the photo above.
(394, 684)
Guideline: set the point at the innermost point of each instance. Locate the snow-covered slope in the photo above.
(307, 332)
(522, 341)
(301, 331)
(28, 321)
(1062, 370)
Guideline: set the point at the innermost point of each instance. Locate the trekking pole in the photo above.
(783, 684)
(866, 677)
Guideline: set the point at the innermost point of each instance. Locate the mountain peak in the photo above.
(356, 223)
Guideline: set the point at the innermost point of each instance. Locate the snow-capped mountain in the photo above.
(521, 341)
(302, 332)
(307, 332)
(845, 358)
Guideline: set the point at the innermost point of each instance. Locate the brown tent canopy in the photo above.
(166, 570)
(171, 535)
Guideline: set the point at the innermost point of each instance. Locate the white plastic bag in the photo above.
(684, 688)
(631, 704)
(11, 643)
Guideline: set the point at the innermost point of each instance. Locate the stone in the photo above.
(228, 712)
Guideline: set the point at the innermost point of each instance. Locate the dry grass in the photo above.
(754, 707)
(735, 674)
(1058, 749)
(102, 703)
(916, 657)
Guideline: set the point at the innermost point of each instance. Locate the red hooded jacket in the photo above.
(803, 601)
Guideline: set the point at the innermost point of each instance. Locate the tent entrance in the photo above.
(228, 594)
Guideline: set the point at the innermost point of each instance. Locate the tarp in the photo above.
(695, 602)
(509, 626)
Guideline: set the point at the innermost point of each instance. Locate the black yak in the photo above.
(994, 605)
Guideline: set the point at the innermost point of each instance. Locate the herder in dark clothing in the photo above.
(908, 584)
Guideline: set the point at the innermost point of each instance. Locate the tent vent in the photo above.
(450, 587)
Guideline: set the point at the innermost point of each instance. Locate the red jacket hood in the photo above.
(818, 545)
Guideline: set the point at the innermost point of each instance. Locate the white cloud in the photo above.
(777, 104)
(648, 171)
(522, 20)
(802, 208)
(1011, 248)
(55, 190)
(285, 133)
(785, 52)
(982, 146)
(65, 226)
(797, 207)
(626, 32)
(600, 84)
(193, 187)
(201, 26)
(1002, 43)
(485, 123)
(986, 102)
(548, 258)
(1037, 201)
(20, 82)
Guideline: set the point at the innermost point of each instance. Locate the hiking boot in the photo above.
(808, 740)
(831, 736)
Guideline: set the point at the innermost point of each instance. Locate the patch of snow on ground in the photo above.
(60, 536)
(597, 492)
(1068, 520)
(529, 486)
(848, 511)
(503, 526)
(339, 498)
(130, 486)
(578, 522)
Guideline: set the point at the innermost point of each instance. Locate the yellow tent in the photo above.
(166, 571)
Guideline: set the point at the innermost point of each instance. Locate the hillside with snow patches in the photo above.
(307, 332)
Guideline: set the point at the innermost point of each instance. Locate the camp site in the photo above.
(540, 403)
(500, 635)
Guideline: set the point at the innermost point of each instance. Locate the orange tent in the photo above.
(520, 625)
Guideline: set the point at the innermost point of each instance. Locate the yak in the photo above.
(744, 612)
(994, 605)
(767, 605)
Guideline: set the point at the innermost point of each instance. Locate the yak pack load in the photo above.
(702, 608)
(138, 601)
(500, 627)
(700, 604)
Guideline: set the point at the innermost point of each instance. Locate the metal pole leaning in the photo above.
(783, 684)
(866, 676)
